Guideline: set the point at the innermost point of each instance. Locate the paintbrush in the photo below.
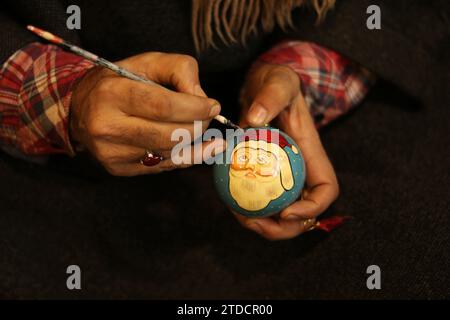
(107, 64)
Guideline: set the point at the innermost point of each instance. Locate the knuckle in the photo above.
(287, 75)
(164, 140)
(162, 108)
(109, 159)
(103, 156)
(187, 63)
(105, 85)
(142, 137)
(152, 136)
(285, 70)
(277, 89)
(157, 101)
(160, 140)
(163, 111)
(114, 171)
(93, 126)
(97, 128)
(151, 56)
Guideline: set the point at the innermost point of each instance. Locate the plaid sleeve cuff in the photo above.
(35, 91)
(330, 83)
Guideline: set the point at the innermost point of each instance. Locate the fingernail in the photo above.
(257, 114)
(198, 91)
(215, 110)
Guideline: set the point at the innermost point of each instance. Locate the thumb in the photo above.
(176, 70)
(277, 93)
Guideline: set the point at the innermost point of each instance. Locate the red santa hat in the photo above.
(269, 136)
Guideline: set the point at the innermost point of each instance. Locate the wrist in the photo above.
(77, 97)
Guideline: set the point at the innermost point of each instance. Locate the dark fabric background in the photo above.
(169, 236)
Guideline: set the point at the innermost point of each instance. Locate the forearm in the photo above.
(35, 90)
(330, 83)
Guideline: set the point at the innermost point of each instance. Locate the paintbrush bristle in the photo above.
(235, 126)
(226, 122)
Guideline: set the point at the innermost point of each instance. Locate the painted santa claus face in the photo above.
(259, 173)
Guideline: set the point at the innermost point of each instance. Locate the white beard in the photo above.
(254, 194)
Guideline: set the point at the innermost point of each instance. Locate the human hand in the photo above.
(272, 93)
(117, 119)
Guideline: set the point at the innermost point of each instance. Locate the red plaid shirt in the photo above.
(35, 90)
(36, 86)
(330, 83)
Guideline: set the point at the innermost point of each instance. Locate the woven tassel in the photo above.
(329, 224)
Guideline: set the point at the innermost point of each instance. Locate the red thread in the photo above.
(329, 224)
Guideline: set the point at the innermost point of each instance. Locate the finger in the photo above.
(198, 153)
(155, 136)
(176, 70)
(110, 153)
(134, 169)
(273, 229)
(280, 87)
(317, 200)
(161, 104)
(113, 155)
(321, 179)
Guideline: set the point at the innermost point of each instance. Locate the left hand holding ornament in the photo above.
(272, 93)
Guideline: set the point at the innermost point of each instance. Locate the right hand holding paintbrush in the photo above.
(118, 119)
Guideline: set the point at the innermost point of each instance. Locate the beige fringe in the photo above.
(235, 20)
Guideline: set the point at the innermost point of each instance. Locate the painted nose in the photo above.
(250, 166)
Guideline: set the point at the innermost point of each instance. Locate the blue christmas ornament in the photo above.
(261, 172)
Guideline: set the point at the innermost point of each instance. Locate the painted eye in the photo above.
(262, 159)
(242, 158)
